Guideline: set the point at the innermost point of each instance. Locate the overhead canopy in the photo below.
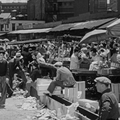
(5, 15)
(114, 28)
(62, 27)
(27, 41)
(91, 24)
(107, 24)
(2, 34)
(30, 31)
(94, 36)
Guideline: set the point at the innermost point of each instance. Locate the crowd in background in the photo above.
(26, 59)
(21, 64)
(90, 56)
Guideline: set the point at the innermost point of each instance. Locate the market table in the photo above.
(88, 77)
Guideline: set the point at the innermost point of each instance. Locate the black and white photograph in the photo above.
(59, 59)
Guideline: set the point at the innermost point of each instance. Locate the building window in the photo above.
(60, 4)
(2, 26)
(54, 7)
(70, 4)
(20, 24)
(13, 26)
(65, 3)
(7, 25)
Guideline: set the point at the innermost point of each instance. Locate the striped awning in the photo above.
(91, 24)
(114, 28)
(45, 30)
(62, 27)
(27, 41)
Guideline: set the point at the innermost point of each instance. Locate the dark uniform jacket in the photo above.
(108, 106)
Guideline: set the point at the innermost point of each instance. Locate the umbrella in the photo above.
(14, 41)
(20, 15)
(13, 18)
(5, 40)
(14, 10)
(94, 36)
(114, 28)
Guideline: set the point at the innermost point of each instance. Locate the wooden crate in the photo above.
(42, 85)
(116, 90)
(81, 87)
(57, 91)
(82, 102)
(55, 104)
(71, 94)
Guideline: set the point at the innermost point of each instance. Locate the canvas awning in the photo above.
(27, 41)
(62, 27)
(30, 31)
(114, 28)
(94, 36)
(107, 24)
(91, 24)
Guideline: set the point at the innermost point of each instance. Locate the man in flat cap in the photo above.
(108, 104)
(64, 78)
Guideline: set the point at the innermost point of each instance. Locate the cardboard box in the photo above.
(82, 102)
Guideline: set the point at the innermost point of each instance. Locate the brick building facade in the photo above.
(36, 9)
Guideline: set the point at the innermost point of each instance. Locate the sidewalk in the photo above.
(13, 111)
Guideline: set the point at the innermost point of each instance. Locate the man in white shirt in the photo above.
(74, 61)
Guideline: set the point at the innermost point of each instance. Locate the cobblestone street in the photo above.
(13, 111)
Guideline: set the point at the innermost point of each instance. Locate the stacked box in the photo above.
(115, 89)
(57, 91)
(82, 102)
(71, 94)
(81, 87)
(42, 85)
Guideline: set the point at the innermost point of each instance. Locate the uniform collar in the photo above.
(107, 90)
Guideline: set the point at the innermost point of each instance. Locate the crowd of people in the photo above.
(22, 63)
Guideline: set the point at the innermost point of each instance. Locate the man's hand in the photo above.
(7, 80)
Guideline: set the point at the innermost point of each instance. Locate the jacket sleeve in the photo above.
(7, 69)
(58, 76)
(105, 108)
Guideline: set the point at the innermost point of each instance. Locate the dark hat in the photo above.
(94, 50)
(76, 49)
(35, 64)
(2, 50)
(103, 80)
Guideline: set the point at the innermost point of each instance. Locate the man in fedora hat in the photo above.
(16, 66)
(3, 74)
